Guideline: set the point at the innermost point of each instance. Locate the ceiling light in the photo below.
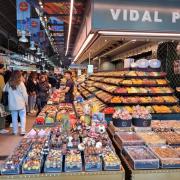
(89, 38)
(70, 26)
(23, 37)
(38, 51)
(41, 6)
(138, 34)
(42, 57)
(32, 47)
(40, 3)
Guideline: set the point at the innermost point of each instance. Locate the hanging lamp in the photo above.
(23, 38)
(38, 52)
(32, 47)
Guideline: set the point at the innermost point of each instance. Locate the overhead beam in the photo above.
(59, 15)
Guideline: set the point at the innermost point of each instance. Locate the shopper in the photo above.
(7, 76)
(43, 92)
(25, 77)
(17, 101)
(32, 91)
(1, 80)
(53, 82)
(69, 88)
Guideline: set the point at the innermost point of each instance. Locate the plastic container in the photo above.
(151, 138)
(121, 123)
(53, 162)
(30, 170)
(93, 163)
(10, 170)
(111, 162)
(141, 157)
(73, 163)
(108, 118)
(141, 122)
(128, 139)
(169, 158)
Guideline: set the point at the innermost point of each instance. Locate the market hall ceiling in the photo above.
(57, 12)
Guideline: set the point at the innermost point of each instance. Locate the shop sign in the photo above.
(137, 15)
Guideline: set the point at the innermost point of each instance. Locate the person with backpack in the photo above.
(17, 101)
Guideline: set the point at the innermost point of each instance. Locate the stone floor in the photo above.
(8, 141)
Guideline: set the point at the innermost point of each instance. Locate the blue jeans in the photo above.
(31, 102)
(22, 115)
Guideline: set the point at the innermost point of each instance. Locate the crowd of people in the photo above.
(28, 92)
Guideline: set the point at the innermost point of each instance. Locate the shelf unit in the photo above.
(92, 82)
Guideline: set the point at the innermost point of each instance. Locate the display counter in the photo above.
(159, 174)
(105, 175)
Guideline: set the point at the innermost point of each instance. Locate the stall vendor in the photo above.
(69, 97)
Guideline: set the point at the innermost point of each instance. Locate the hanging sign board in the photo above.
(79, 72)
(23, 10)
(137, 16)
(90, 69)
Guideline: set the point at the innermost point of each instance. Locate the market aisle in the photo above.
(9, 142)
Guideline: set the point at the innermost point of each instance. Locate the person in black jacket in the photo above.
(53, 82)
(32, 89)
(43, 92)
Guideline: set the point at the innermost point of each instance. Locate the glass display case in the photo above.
(169, 157)
(141, 157)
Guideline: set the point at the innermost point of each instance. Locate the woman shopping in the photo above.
(17, 101)
(32, 91)
(43, 92)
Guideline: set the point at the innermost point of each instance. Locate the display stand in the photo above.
(103, 175)
(159, 174)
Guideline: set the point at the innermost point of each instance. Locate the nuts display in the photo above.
(169, 157)
(172, 138)
(151, 138)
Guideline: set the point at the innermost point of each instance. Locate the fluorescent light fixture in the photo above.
(138, 34)
(70, 26)
(89, 38)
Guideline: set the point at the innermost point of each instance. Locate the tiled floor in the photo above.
(8, 142)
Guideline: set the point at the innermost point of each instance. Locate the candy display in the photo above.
(141, 113)
(141, 157)
(13, 163)
(122, 118)
(93, 163)
(50, 118)
(122, 114)
(53, 161)
(33, 162)
(172, 138)
(111, 161)
(151, 138)
(128, 139)
(73, 162)
(168, 156)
